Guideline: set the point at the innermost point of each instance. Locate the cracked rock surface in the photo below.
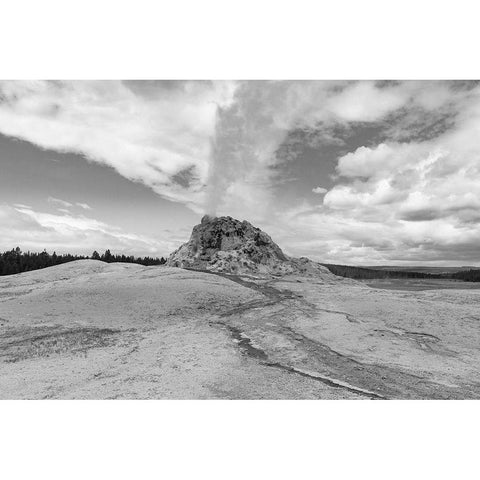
(224, 244)
(88, 329)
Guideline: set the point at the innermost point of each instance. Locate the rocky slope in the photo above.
(224, 244)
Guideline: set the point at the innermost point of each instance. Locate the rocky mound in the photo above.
(224, 244)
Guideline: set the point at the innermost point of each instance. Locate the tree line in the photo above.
(361, 273)
(16, 261)
(467, 275)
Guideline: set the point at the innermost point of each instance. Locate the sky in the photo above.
(363, 173)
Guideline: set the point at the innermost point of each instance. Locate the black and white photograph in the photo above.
(239, 240)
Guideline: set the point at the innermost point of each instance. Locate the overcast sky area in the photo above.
(363, 173)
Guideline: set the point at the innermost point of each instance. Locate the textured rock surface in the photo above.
(224, 244)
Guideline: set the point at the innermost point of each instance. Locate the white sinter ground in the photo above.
(88, 329)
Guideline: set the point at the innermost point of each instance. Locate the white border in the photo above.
(251, 39)
(239, 440)
(216, 39)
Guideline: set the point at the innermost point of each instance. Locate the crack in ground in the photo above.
(348, 316)
(275, 296)
(244, 343)
(329, 381)
(426, 341)
(422, 334)
(405, 333)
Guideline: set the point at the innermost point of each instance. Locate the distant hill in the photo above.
(362, 273)
(423, 269)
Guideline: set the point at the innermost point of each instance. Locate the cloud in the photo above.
(403, 201)
(147, 133)
(250, 130)
(365, 102)
(334, 238)
(68, 233)
(319, 190)
(63, 203)
(215, 146)
(85, 206)
(204, 144)
(58, 201)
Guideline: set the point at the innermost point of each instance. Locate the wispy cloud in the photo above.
(85, 206)
(21, 205)
(147, 133)
(35, 230)
(64, 204)
(59, 202)
(64, 210)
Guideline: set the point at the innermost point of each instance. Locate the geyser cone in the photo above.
(224, 244)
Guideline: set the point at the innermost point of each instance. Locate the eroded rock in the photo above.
(224, 244)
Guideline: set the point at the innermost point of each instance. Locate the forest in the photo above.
(360, 273)
(16, 261)
(467, 275)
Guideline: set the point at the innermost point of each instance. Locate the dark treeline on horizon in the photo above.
(467, 275)
(360, 273)
(16, 261)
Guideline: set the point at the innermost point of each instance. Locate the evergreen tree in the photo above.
(108, 257)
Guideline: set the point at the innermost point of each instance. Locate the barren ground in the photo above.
(88, 329)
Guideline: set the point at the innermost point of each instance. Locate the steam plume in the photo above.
(248, 133)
